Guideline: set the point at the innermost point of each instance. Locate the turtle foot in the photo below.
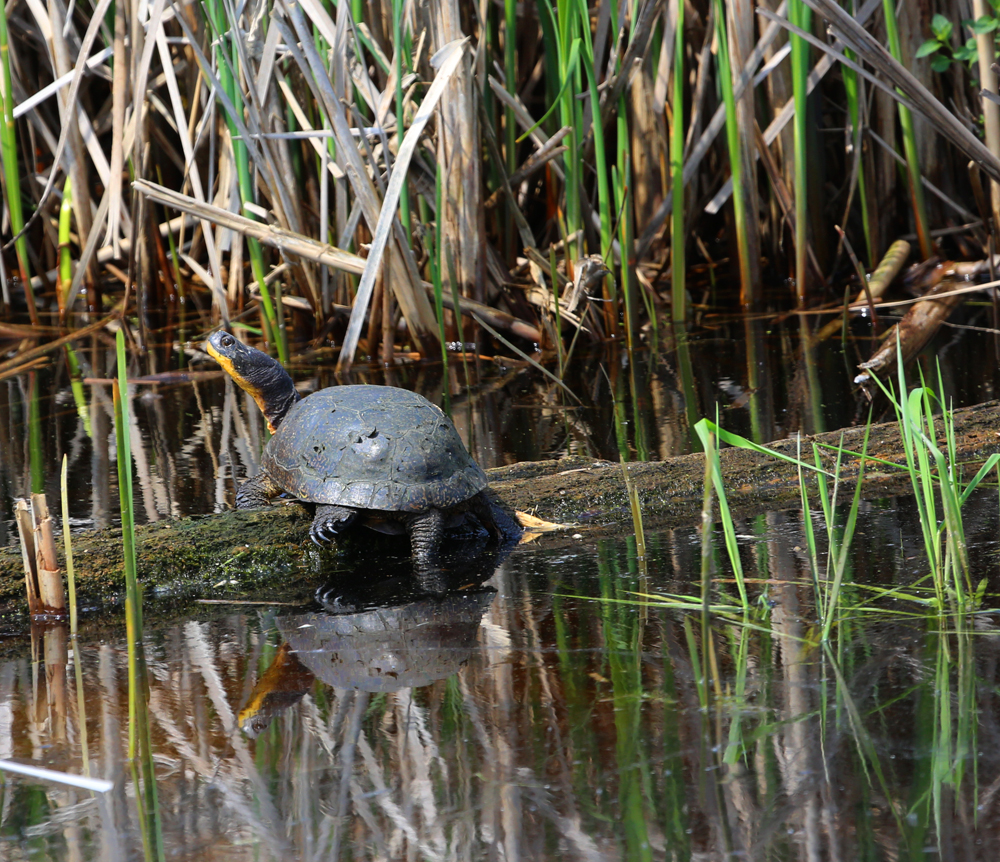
(330, 522)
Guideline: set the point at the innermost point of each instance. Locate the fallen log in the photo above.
(267, 553)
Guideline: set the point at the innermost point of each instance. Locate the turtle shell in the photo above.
(372, 447)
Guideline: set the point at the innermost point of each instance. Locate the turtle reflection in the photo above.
(378, 650)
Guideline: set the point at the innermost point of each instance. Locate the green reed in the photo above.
(707, 527)
(228, 65)
(400, 45)
(621, 181)
(678, 238)
(76, 387)
(12, 177)
(853, 92)
(601, 166)
(800, 15)
(510, 72)
(140, 748)
(935, 472)
(828, 584)
(65, 250)
(133, 598)
(561, 40)
(733, 132)
(636, 506)
(909, 140)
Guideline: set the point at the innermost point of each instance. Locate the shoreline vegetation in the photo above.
(195, 555)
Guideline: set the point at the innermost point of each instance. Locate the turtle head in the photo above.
(257, 373)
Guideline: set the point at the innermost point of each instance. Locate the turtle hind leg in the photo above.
(426, 531)
(256, 492)
(495, 517)
(330, 522)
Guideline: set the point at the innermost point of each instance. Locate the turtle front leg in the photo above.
(256, 492)
(426, 531)
(330, 522)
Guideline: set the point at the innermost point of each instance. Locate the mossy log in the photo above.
(265, 553)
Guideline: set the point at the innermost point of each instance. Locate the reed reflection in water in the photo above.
(543, 715)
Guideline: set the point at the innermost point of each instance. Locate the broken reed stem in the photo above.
(26, 533)
(50, 585)
(46, 598)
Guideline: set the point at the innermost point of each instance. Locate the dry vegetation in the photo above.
(354, 174)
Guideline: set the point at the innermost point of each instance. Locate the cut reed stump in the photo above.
(266, 554)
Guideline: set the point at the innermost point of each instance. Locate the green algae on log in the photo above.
(254, 553)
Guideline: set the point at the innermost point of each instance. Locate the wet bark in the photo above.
(266, 554)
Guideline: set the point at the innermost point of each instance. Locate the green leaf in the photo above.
(574, 56)
(929, 47)
(967, 51)
(986, 24)
(980, 592)
(941, 27)
(940, 63)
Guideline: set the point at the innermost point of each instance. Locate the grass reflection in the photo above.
(577, 723)
(140, 747)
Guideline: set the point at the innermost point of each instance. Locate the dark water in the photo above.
(547, 712)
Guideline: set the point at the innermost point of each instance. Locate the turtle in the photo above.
(380, 456)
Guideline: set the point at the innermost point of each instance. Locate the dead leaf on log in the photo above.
(911, 334)
(535, 527)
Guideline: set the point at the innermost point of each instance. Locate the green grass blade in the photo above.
(703, 429)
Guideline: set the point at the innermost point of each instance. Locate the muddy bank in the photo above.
(266, 553)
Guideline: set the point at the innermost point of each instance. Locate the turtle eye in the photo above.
(227, 341)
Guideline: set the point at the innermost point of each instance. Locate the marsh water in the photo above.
(556, 704)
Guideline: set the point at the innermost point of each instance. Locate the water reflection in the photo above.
(379, 650)
(545, 714)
